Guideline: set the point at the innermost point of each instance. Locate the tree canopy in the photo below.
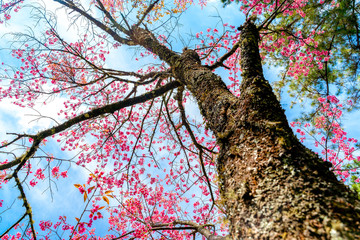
(180, 140)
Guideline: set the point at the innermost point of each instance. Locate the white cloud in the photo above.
(29, 119)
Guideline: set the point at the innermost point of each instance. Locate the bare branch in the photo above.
(11, 227)
(102, 26)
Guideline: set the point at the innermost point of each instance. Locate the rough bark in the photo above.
(272, 186)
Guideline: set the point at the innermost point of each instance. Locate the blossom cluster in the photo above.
(329, 136)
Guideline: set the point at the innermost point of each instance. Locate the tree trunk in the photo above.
(272, 187)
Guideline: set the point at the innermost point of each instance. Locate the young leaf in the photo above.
(106, 199)
(85, 196)
(108, 192)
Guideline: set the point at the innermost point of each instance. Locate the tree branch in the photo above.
(186, 225)
(202, 229)
(102, 26)
(220, 61)
(17, 222)
(26, 205)
(108, 15)
(147, 11)
(110, 108)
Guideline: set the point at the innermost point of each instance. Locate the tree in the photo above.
(327, 38)
(270, 185)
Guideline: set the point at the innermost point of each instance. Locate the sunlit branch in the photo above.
(147, 11)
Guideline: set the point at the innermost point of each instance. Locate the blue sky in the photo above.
(66, 200)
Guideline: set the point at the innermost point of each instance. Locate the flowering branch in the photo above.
(86, 116)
